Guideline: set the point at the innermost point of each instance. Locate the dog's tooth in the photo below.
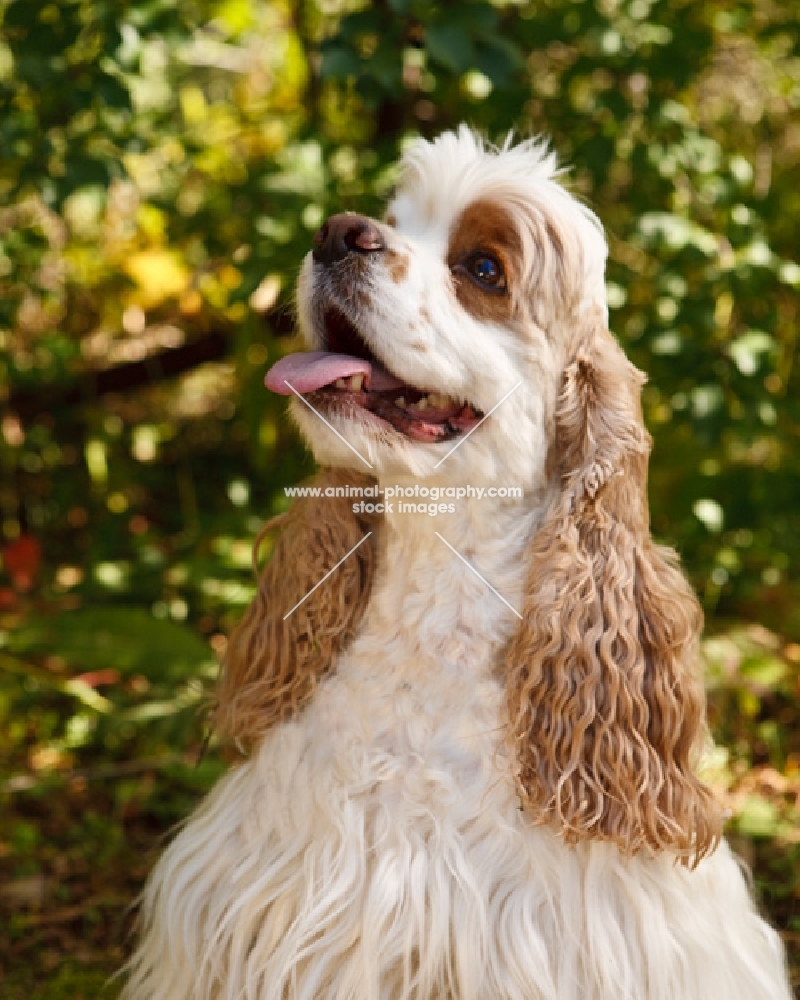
(356, 382)
(340, 383)
(421, 404)
(400, 401)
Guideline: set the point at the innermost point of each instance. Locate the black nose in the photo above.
(345, 234)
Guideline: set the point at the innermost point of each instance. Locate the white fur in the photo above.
(424, 336)
(374, 848)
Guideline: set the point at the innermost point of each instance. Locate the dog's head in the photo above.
(465, 296)
(485, 274)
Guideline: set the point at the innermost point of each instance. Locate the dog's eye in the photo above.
(487, 270)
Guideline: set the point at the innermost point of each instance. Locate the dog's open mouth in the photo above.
(348, 375)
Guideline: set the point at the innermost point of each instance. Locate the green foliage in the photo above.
(164, 165)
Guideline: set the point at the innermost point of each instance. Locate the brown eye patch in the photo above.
(483, 249)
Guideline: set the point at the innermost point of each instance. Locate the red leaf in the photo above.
(21, 559)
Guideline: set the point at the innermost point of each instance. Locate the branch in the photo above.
(132, 375)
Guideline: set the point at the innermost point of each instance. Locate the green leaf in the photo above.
(362, 22)
(765, 671)
(127, 639)
(450, 45)
(113, 94)
(339, 62)
(499, 59)
(749, 350)
(479, 19)
(675, 232)
(758, 818)
(385, 66)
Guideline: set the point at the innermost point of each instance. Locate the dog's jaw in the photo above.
(422, 335)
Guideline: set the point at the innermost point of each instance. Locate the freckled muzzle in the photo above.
(347, 379)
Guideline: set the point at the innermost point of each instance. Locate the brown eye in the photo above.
(487, 271)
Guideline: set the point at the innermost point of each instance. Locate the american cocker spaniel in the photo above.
(471, 719)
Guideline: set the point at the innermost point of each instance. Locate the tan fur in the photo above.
(605, 698)
(485, 226)
(397, 266)
(272, 666)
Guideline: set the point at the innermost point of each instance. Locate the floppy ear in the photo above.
(606, 703)
(273, 663)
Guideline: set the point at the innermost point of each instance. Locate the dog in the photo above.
(472, 731)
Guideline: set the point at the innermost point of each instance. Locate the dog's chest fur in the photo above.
(374, 848)
(411, 725)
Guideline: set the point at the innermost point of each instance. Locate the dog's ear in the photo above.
(606, 704)
(274, 662)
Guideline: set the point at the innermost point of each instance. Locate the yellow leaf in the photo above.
(193, 105)
(160, 275)
(230, 277)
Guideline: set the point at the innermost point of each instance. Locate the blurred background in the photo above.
(163, 165)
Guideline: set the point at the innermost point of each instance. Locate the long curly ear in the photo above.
(606, 703)
(273, 663)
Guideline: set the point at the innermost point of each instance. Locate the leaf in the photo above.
(499, 59)
(85, 171)
(160, 274)
(339, 62)
(450, 44)
(480, 19)
(676, 232)
(749, 350)
(127, 639)
(112, 93)
(710, 513)
(21, 559)
(361, 22)
(758, 817)
(765, 671)
(385, 66)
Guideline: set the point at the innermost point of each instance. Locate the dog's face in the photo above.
(464, 297)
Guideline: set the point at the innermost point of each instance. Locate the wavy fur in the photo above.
(605, 695)
(272, 666)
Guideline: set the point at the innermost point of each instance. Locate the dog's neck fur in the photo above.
(431, 605)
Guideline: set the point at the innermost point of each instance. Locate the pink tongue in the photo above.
(313, 369)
